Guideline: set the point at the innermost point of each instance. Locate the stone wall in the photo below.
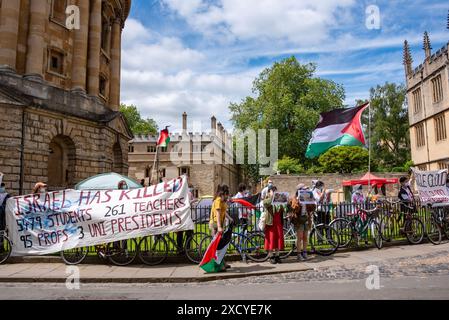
(92, 146)
(288, 183)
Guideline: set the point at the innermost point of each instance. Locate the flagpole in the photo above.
(155, 161)
(369, 147)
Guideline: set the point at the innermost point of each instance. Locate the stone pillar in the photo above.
(114, 90)
(9, 31)
(93, 64)
(35, 46)
(79, 62)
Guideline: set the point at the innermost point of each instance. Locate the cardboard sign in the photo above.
(432, 186)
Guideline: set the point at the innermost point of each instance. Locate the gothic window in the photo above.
(440, 128)
(417, 102)
(58, 8)
(151, 149)
(443, 165)
(131, 148)
(437, 89)
(419, 135)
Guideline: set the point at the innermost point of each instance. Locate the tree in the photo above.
(390, 139)
(288, 97)
(289, 165)
(135, 121)
(344, 159)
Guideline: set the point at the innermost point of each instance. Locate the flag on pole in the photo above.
(164, 138)
(340, 127)
(215, 253)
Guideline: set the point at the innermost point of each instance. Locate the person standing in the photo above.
(405, 195)
(357, 196)
(219, 210)
(4, 196)
(274, 233)
(264, 192)
(319, 195)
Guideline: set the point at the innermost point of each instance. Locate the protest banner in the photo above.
(432, 186)
(48, 223)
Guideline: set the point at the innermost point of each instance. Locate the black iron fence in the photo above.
(250, 217)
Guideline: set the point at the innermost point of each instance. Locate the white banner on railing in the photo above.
(48, 223)
(432, 186)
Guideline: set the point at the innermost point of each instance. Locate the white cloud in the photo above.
(302, 22)
(164, 78)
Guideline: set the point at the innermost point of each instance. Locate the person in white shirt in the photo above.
(264, 191)
(319, 194)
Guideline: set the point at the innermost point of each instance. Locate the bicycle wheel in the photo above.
(289, 243)
(387, 228)
(434, 232)
(414, 230)
(192, 247)
(255, 247)
(153, 250)
(376, 233)
(122, 253)
(345, 231)
(324, 240)
(5, 249)
(74, 256)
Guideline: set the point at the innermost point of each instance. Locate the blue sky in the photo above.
(198, 55)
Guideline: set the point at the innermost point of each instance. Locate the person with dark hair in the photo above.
(274, 233)
(142, 183)
(405, 195)
(319, 194)
(219, 210)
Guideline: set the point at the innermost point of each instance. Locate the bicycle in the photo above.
(412, 227)
(120, 253)
(439, 223)
(249, 244)
(323, 239)
(5, 246)
(154, 250)
(356, 226)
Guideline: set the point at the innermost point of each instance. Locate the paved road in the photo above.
(418, 277)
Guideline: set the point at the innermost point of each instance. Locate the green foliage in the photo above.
(135, 121)
(288, 97)
(389, 128)
(289, 165)
(344, 159)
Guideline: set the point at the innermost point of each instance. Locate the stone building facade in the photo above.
(428, 103)
(60, 92)
(206, 158)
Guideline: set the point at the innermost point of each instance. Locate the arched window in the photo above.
(61, 162)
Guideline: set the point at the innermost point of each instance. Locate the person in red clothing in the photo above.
(274, 234)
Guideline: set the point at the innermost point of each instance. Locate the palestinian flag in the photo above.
(340, 127)
(164, 138)
(215, 253)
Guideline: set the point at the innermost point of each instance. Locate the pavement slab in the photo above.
(342, 261)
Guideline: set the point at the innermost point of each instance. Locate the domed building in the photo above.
(60, 91)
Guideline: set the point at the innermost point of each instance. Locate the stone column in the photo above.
(9, 31)
(93, 64)
(35, 46)
(79, 62)
(114, 91)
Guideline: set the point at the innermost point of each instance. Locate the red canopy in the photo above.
(370, 178)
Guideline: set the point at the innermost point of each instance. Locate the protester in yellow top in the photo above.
(219, 209)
